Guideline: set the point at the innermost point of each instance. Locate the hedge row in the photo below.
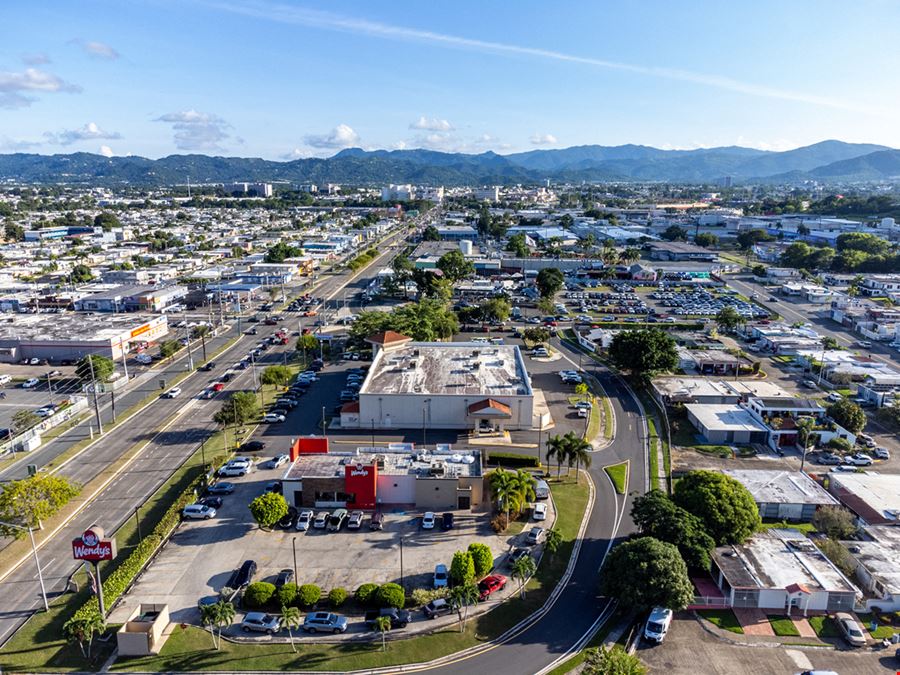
(118, 581)
(362, 259)
(513, 459)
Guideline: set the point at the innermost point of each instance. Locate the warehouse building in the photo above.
(398, 475)
(69, 337)
(443, 385)
(725, 423)
(783, 495)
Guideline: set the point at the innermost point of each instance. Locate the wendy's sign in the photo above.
(94, 546)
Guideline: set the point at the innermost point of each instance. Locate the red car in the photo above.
(490, 584)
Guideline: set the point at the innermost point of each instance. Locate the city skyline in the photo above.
(290, 80)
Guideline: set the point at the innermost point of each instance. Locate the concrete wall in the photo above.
(436, 493)
(405, 411)
(396, 489)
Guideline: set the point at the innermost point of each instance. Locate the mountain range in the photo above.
(828, 161)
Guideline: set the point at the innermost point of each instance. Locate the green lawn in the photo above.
(722, 451)
(883, 631)
(619, 475)
(191, 649)
(654, 455)
(722, 618)
(783, 626)
(824, 626)
(806, 528)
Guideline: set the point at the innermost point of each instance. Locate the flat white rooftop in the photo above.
(879, 491)
(724, 417)
(777, 558)
(881, 555)
(449, 368)
(701, 386)
(781, 487)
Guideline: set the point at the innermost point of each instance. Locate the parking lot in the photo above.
(201, 555)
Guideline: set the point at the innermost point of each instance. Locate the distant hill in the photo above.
(825, 161)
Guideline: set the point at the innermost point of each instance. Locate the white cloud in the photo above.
(775, 145)
(197, 131)
(37, 59)
(8, 144)
(433, 124)
(342, 136)
(106, 151)
(97, 49)
(543, 139)
(88, 132)
(14, 85)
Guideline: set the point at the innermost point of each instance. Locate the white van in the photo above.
(541, 490)
(658, 625)
(5, 379)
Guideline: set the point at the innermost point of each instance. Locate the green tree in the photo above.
(552, 541)
(82, 627)
(495, 309)
(536, 334)
(889, 416)
(268, 509)
(308, 342)
(169, 348)
(728, 319)
(482, 558)
(644, 352)
(217, 617)
(390, 595)
(462, 568)
(657, 516)
(759, 270)
(430, 233)
(103, 368)
(30, 501)
(107, 220)
(612, 661)
(578, 452)
(279, 376)
(829, 342)
(645, 572)
(259, 593)
(549, 281)
(287, 594)
(461, 598)
(308, 595)
(455, 266)
(337, 597)
(835, 521)
(81, 274)
(365, 594)
(749, 238)
(239, 409)
(522, 570)
(383, 625)
(24, 419)
(862, 241)
(557, 449)
(282, 251)
(290, 619)
(674, 233)
(725, 506)
(238, 252)
(706, 239)
(848, 414)
(14, 232)
(517, 246)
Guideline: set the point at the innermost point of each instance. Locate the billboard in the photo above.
(93, 546)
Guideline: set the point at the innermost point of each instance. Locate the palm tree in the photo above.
(552, 541)
(524, 484)
(580, 451)
(503, 487)
(208, 619)
(630, 255)
(290, 619)
(804, 426)
(522, 569)
(83, 628)
(383, 624)
(556, 447)
(461, 597)
(223, 616)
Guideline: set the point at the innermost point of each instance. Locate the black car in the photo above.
(447, 521)
(275, 486)
(243, 575)
(209, 365)
(212, 502)
(220, 488)
(285, 576)
(252, 446)
(288, 522)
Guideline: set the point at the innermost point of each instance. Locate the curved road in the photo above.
(579, 605)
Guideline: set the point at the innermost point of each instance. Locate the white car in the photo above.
(882, 453)
(321, 520)
(304, 520)
(858, 459)
(174, 392)
(540, 512)
(198, 512)
(235, 469)
(30, 382)
(280, 460)
(540, 352)
(45, 411)
(428, 521)
(271, 418)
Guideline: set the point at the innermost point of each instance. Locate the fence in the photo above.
(24, 441)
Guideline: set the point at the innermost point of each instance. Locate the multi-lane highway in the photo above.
(167, 432)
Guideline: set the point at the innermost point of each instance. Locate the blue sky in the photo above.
(293, 79)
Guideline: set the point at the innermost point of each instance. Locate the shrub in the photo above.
(259, 593)
(308, 595)
(287, 595)
(513, 459)
(390, 595)
(499, 523)
(422, 596)
(462, 569)
(840, 444)
(337, 597)
(482, 558)
(365, 594)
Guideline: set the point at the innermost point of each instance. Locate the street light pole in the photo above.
(402, 579)
(37, 561)
(294, 546)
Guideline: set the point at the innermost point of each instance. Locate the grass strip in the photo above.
(619, 475)
(722, 618)
(783, 626)
(190, 649)
(882, 632)
(824, 626)
(654, 455)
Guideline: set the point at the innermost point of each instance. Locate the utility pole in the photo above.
(324, 434)
(203, 342)
(49, 388)
(112, 399)
(94, 389)
(124, 360)
(187, 332)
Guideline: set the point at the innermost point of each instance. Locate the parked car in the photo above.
(289, 519)
(30, 383)
(304, 520)
(233, 470)
(539, 512)
(441, 577)
(285, 576)
(490, 585)
(273, 418)
(354, 520)
(220, 488)
(830, 458)
(657, 625)
(337, 519)
(850, 629)
(428, 521)
(260, 622)
(866, 440)
(882, 453)
(534, 535)
(437, 607)
(209, 365)
(212, 502)
(399, 617)
(321, 520)
(376, 522)
(859, 459)
(540, 352)
(325, 622)
(242, 575)
(516, 554)
(280, 460)
(447, 521)
(198, 512)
